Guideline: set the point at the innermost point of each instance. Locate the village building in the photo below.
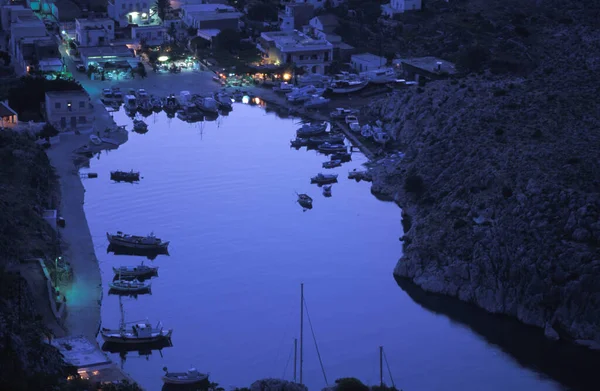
(367, 62)
(428, 68)
(8, 117)
(126, 12)
(210, 16)
(324, 27)
(294, 47)
(69, 110)
(94, 32)
(400, 6)
(99, 55)
(295, 16)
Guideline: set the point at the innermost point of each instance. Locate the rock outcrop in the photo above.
(501, 180)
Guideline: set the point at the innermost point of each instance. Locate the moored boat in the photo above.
(347, 86)
(192, 376)
(139, 271)
(140, 333)
(95, 139)
(305, 201)
(331, 148)
(140, 126)
(327, 190)
(312, 129)
(149, 242)
(126, 286)
(324, 178)
(332, 164)
(328, 138)
(380, 76)
(125, 176)
(316, 101)
(298, 142)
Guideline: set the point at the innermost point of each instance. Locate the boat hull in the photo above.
(132, 274)
(119, 289)
(116, 241)
(348, 90)
(118, 339)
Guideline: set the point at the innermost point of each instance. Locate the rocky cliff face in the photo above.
(501, 180)
(27, 186)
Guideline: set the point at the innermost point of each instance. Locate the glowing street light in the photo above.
(287, 76)
(163, 58)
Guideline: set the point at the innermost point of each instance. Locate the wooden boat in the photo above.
(322, 179)
(125, 176)
(149, 242)
(140, 126)
(312, 129)
(125, 286)
(192, 376)
(140, 332)
(347, 86)
(331, 148)
(332, 164)
(305, 201)
(136, 271)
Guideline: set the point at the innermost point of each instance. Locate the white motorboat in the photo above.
(305, 201)
(354, 126)
(208, 105)
(324, 178)
(303, 93)
(316, 101)
(332, 148)
(126, 286)
(380, 76)
(140, 126)
(313, 79)
(95, 139)
(192, 376)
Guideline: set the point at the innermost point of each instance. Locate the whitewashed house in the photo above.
(367, 62)
(210, 16)
(400, 6)
(94, 32)
(294, 47)
(69, 110)
(126, 12)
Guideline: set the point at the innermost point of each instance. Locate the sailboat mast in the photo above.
(295, 357)
(301, 328)
(381, 366)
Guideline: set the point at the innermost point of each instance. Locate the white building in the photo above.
(294, 47)
(210, 16)
(126, 12)
(367, 62)
(400, 6)
(94, 32)
(25, 26)
(10, 14)
(151, 35)
(69, 110)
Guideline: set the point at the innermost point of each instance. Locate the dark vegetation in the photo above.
(27, 96)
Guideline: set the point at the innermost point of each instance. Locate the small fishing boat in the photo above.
(328, 138)
(327, 190)
(224, 100)
(312, 129)
(171, 103)
(354, 126)
(140, 333)
(192, 376)
(125, 176)
(343, 156)
(342, 113)
(299, 142)
(350, 119)
(140, 126)
(322, 179)
(208, 105)
(139, 271)
(331, 148)
(126, 286)
(347, 86)
(149, 242)
(130, 102)
(305, 201)
(95, 139)
(332, 164)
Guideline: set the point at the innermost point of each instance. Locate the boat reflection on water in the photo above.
(143, 350)
(150, 254)
(573, 366)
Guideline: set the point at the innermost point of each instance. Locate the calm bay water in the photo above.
(223, 193)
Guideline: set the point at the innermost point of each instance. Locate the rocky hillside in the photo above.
(501, 178)
(27, 187)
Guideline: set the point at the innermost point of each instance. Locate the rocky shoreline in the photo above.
(500, 190)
